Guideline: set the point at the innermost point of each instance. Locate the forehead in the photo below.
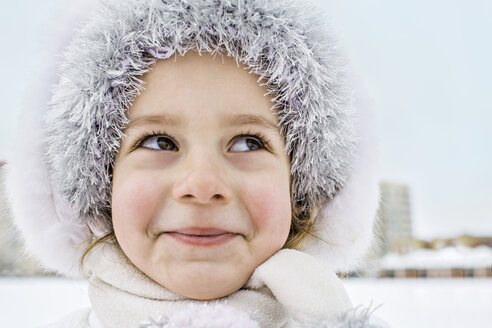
(197, 87)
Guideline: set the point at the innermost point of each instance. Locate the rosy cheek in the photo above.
(134, 202)
(268, 203)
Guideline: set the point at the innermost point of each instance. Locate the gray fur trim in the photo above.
(359, 317)
(283, 42)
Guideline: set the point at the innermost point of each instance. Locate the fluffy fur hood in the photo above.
(60, 177)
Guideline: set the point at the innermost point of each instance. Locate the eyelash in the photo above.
(146, 136)
(264, 141)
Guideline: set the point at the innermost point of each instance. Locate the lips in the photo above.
(202, 236)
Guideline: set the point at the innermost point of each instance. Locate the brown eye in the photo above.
(159, 142)
(247, 143)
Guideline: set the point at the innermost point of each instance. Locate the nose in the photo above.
(202, 183)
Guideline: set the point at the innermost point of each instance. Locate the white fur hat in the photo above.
(60, 176)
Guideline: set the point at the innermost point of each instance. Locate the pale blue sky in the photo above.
(426, 64)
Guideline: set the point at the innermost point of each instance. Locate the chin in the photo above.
(208, 295)
(200, 293)
(208, 287)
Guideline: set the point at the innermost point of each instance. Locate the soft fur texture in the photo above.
(60, 177)
(203, 316)
(223, 316)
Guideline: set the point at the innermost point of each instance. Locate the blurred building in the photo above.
(463, 240)
(394, 229)
(447, 262)
(12, 259)
(396, 254)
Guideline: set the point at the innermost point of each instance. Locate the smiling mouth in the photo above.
(201, 236)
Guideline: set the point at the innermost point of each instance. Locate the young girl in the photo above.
(204, 164)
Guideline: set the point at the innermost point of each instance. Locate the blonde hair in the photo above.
(301, 227)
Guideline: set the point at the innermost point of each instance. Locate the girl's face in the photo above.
(201, 182)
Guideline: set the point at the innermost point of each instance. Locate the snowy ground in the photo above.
(422, 303)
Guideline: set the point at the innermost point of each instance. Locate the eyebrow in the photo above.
(228, 120)
(249, 119)
(171, 120)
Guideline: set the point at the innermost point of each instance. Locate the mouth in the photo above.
(202, 236)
